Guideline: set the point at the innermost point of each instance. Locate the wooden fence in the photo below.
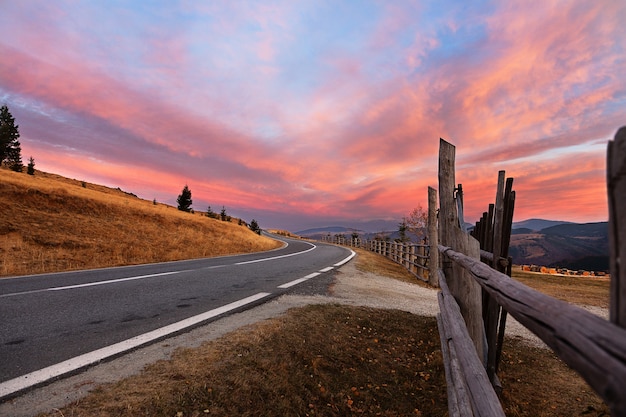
(476, 296)
(477, 293)
(414, 257)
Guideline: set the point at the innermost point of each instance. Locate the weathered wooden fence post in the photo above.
(433, 239)
(463, 287)
(616, 187)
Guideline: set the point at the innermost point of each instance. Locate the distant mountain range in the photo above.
(535, 241)
(537, 224)
(566, 245)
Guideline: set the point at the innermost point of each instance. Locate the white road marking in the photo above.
(345, 261)
(113, 281)
(299, 280)
(314, 274)
(37, 377)
(278, 257)
(91, 284)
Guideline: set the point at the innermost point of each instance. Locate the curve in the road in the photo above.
(22, 383)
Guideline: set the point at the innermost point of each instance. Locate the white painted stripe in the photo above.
(70, 365)
(347, 259)
(299, 280)
(91, 284)
(292, 283)
(328, 268)
(278, 257)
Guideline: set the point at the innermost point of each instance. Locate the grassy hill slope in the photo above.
(50, 223)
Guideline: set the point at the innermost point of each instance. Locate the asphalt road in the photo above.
(55, 324)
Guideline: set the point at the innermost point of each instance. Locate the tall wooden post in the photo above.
(463, 287)
(433, 239)
(616, 187)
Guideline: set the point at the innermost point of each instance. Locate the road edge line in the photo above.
(16, 385)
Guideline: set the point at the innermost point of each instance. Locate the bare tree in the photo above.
(417, 222)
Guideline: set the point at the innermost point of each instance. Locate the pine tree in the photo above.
(184, 199)
(223, 214)
(10, 149)
(30, 169)
(254, 226)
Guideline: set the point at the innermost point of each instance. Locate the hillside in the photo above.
(535, 241)
(50, 223)
(573, 246)
(537, 224)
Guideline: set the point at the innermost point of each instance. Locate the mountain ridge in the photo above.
(543, 242)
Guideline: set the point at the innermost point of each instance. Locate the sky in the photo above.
(313, 113)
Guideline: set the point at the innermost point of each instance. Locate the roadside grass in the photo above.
(378, 264)
(333, 360)
(49, 223)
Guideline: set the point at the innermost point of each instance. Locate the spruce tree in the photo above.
(30, 169)
(184, 199)
(254, 226)
(10, 149)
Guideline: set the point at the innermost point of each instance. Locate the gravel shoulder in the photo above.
(350, 287)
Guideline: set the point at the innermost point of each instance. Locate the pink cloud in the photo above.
(209, 105)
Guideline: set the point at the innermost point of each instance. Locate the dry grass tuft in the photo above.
(50, 223)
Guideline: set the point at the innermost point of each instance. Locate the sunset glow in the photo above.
(315, 113)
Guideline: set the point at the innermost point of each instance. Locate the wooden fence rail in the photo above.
(594, 347)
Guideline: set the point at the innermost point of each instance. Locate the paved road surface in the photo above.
(53, 324)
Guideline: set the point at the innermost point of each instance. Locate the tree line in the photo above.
(185, 201)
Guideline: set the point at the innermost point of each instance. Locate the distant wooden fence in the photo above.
(414, 257)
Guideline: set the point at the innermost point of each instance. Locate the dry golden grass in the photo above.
(318, 360)
(378, 264)
(593, 291)
(330, 360)
(49, 223)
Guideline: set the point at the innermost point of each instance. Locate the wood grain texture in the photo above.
(464, 289)
(616, 188)
(593, 347)
(467, 372)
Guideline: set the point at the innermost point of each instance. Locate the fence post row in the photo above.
(493, 231)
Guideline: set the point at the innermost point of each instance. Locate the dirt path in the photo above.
(351, 287)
